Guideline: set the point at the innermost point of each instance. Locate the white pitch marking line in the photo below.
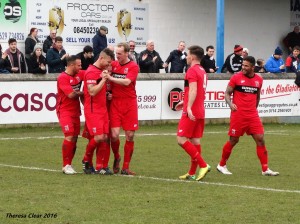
(171, 180)
(137, 134)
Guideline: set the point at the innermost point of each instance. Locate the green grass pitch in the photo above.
(33, 187)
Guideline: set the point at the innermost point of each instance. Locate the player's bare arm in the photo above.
(192, 97)
(94, 89)
(179, 106)
(75, 94)
(228, 93)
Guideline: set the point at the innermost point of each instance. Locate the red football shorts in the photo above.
(240, 124)
(124, 113)
(190, 129)
(70, 126)
(97, 124)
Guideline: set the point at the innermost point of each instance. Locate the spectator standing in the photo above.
(37, 62)
(100, 41)
(56, 56)
(292, 61)
(95, 109)
(86, 57)
(68, 109)
(123, 108)
(243, 95)
(260, 66)
(133, 55)
(275, 63)
(149, 59)
(292, 39)
(208, 62)
(191, 124)
(233, 62)
(177, 58)
(245, 52)
(31, 41)
(4, 63)
(50, 40)
(15, 58)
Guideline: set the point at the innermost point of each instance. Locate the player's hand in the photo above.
(105, 74)
(233, 107)
(190, 114)
(179, 106)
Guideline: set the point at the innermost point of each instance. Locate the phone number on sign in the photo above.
(77, 29)
(146, 98)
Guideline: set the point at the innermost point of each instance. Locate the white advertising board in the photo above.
(78, 21)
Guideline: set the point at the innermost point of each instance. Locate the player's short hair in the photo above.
(71, 60)
(108, 52)
(125, 46)
(209, 47)
(197, 51)
(87, 49)
(250, 59)
(11, 40)
(58, 38)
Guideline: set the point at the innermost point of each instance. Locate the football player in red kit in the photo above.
(123, 108)
(68, 109)
(191, 124)
(95, 109)
(245, 87)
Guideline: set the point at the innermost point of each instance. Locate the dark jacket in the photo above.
(21, 62)
(292, 40)
(34, 65)
(29, 45)
(147, 65)
(208, 63)
(177, 60)
(47, 44)
(99, 43)
(5, 66)
(85, 62)
(233, 63)
(53, 58)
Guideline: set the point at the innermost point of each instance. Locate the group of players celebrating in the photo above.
(110, 102)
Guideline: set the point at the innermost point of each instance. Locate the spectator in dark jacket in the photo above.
(4, 63)
(177, 58)
(15, 58)
(37, 62)
(56, 57)
(292, 39)
(100, 41)
(233, 62)
(86, 57)
(31, 41)
(50, 40)
(133, 55)
(149, 59)
(208, 62)
(292, 61)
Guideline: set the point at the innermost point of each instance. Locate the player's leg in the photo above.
(128, 151)
(115, 147)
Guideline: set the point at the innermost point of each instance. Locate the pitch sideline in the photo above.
(169, 180)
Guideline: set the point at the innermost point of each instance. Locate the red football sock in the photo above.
(115, 148)
(194, 163)
(100, 151)
(90, 148)
(227, 149)
(262, 154)
(128, 150)
(194, 154)
(67, 152)
(106, 155)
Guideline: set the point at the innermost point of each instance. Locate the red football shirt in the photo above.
(195, 74)
(245, 92)
(67, 84)
(130, 71)
(97, 103)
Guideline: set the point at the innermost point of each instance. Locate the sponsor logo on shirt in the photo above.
(119, 76)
